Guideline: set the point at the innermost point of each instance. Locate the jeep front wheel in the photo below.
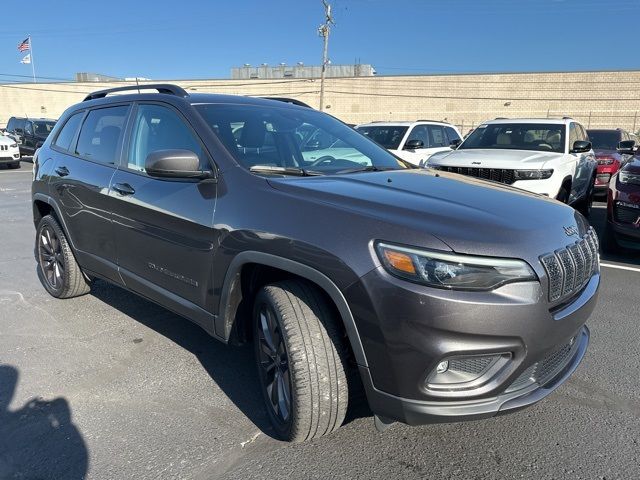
(302, 360)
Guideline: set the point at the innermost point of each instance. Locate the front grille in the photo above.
(501, 175)
(626, 214)
(4, 147)
(545, 370)
(569, 269)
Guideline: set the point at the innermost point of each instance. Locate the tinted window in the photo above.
(68, 132)
(420, 132)
(15, 123)
(160, 128)
(604, 139)
(387, 136)
(518, 136)
(101, 133)
(28, 128)
(452, 134)
(42, 128)
(273, 137)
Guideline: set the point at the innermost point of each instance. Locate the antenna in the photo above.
(323, 31)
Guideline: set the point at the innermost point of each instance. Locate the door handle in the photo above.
(124, 189)
(62, 171)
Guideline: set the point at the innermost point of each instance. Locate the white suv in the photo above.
(412, 141)
(9, 152)
(552, 157)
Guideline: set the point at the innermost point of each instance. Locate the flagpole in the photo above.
(33, 67)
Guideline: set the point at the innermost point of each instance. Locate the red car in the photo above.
(623, 208)
(605, 144)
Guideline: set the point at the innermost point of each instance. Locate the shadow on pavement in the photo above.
(38, 441)
(232, 368)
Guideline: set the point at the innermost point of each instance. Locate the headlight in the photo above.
(452, 271)
(626, 177)
(13, 145)
(533, 174)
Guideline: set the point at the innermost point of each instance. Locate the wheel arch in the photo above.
(45, 205)
(235, 288)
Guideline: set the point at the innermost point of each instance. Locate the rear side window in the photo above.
(68, 132)
(101, 133)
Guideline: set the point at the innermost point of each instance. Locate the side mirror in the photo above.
(455, 143)
(580, 146)
(175, 164)
(626, 147)
(413, 145)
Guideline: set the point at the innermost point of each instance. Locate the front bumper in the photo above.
(9, 157)
(415, 412)
(407, 330)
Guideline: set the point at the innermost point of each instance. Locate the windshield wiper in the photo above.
(369, 168)
(295, 171)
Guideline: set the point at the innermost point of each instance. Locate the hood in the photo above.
(633, 166)
(6, 140)
(493, 158)
(606, 152)
(469, 215)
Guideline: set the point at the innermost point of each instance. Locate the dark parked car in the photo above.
(605, 144)
(30, 133)
(623, 209)
(453, 298)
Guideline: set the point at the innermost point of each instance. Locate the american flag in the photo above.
(24, 45)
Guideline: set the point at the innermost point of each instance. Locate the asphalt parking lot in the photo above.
(109, 385)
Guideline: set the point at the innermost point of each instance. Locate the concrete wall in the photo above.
(598, 99)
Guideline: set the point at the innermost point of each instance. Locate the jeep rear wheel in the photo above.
(302, 360)
(58, 270)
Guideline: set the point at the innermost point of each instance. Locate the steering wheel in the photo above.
(322, 160)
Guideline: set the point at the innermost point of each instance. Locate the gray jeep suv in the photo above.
(454, 298)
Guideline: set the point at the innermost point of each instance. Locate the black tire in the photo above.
(14, 165)
(58, 270)
(584, 206)
(563, 194)
(309, 347)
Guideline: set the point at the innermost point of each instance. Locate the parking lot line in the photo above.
(620, 267)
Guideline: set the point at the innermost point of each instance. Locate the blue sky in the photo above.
(205, 38)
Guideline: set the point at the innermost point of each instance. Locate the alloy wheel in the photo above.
(274, 363)
(51, 257)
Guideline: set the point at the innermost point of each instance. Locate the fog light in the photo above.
(442, 367)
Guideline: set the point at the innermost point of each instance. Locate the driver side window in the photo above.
(421, 133)
(28, 128)
(160, 128)
(573, 135)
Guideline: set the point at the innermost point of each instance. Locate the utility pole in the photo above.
(324, 30)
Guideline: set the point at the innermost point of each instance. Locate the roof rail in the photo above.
(501, 118)
(567, 118)
(166, 88)
(437, 121)
(292, 101)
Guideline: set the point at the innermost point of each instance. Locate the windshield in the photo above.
(278, 138)
(542, 137)
(389, 136)
(43, 128)
(604, 139)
